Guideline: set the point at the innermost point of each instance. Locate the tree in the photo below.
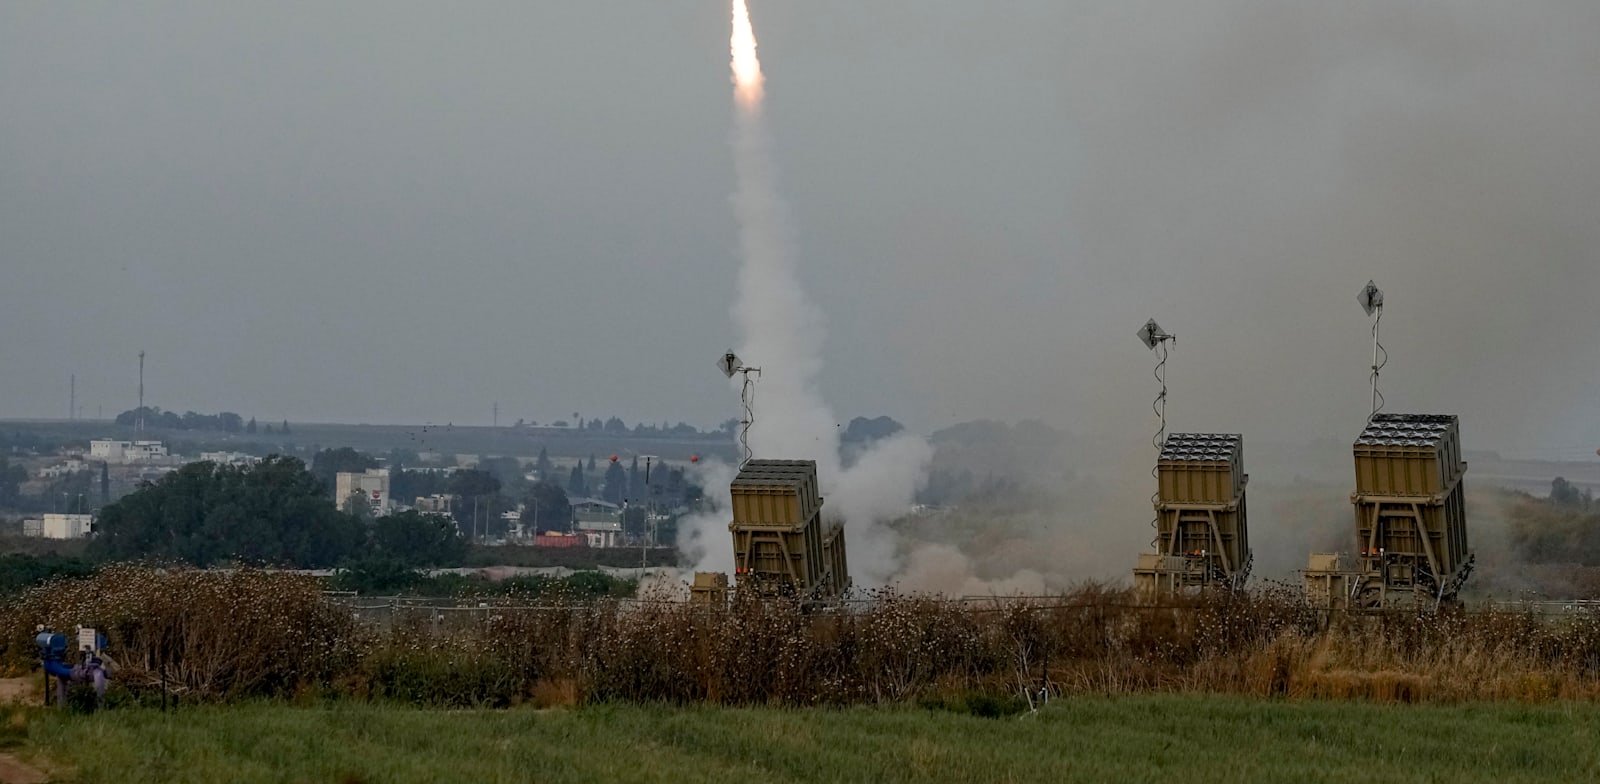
(575, 482)
(274, 512)
(230, 422)
(615, 425)
(546, 507)
(285, 428)
(616, 483)
(543, 468)
(473, 483)
(250, 427)
(328, 463)
(417, 539)
(472, 488)
(1564, 493)
(590, 468)
(11, 479)
(508, 470)
(407, 485)
(636, 489)
(633, 520)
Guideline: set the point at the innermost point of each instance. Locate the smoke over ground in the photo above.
(1236, 168)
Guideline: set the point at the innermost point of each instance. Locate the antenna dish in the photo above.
(1151, 334)
(1371, 298)
(730, 364)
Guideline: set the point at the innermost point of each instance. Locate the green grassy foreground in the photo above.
(1188, 738)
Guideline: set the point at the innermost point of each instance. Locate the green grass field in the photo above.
(1190, 739)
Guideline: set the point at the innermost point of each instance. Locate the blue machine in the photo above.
(91, 669)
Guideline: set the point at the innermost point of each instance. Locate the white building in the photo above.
(229, 458)
(372, 485)
(128, 451)
(433, 504)
(601, 533)
(72, 465)
(67, 526)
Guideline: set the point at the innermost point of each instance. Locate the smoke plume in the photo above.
(782, 332)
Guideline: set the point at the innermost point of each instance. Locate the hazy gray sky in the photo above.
(399, 212)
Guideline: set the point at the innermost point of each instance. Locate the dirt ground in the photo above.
(19, 690)
(14, 772)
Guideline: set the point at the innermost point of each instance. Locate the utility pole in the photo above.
(72, 398)
(139, 420)
(644, 530)
(495, 417)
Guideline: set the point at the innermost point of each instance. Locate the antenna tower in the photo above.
(1156, 339)
(1371, 299)
(72, 398)
(731, 364)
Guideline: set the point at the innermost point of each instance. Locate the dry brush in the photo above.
(221, 635)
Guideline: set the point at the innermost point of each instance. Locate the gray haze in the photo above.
(397, 212)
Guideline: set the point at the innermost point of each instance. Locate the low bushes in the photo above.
(222, 635)
(209, 633)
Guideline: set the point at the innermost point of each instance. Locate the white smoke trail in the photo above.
(782, 332)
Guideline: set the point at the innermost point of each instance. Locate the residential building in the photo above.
(72, 465)
(128, 451)
(433, 504)
(372, 485)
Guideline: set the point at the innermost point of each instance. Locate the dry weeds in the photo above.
(220, 635)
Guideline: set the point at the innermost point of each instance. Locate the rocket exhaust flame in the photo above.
(746, 66)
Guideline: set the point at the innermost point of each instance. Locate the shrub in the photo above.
(205, 633)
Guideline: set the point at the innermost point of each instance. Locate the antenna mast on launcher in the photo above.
(1371, 299)
(730, 364)
(1156, 339)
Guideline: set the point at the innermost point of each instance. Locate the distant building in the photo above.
(595, 509)
(433, 504)
(512, 519)
(72, 465)
(372, 485)
(601, 534)
(66, 526)
(128, 451)
(33, 528)
(229, 458)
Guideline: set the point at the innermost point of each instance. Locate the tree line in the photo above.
(275, 512)
(226, 421)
